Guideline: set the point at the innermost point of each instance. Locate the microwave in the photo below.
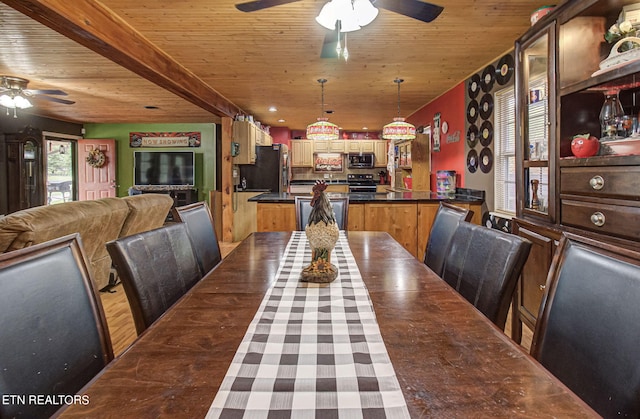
(360, 161)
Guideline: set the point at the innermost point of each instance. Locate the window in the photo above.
(505, 151)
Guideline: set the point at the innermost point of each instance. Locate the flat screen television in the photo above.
(162, 168)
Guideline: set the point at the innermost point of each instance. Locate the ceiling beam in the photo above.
(98, 28)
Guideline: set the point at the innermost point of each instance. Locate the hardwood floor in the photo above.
(123, 331)
(119, 319)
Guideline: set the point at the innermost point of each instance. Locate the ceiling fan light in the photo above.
(365, 12)
(349, 24)
(22, 102)
(327, 17)
(7, 101)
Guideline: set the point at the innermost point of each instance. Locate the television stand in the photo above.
(182, 195)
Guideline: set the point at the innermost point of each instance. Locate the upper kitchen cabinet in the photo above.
(301, 153)
(380, 153)
(360, 146)
(248, 135)
(326, 146)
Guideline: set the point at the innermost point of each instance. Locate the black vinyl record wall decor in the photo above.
(472, 111)
(472, 161)
(486, 133)
(472, 136)
(474, 86)
(486, 106)
(488, 78)
(505, 69)
(486, 160)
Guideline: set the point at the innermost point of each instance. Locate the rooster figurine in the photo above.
(322, 232)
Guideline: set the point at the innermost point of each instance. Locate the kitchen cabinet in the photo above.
(414, 160)
(360, 146)
(325, 146)
(560, 92)
(248, 135)
(380, 153)
(301, 153)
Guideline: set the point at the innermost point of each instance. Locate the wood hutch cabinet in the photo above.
(558, 96)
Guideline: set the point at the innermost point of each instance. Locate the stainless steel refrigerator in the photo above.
(270, 172)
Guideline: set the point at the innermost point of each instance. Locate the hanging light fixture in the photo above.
(352, 14)
(14, 100)
(399, 129)
(322, 129)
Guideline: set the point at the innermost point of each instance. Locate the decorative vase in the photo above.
(322, 232)
(535, 201)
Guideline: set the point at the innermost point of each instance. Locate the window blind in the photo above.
(505, 151)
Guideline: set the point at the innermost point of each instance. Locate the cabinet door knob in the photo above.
(542, 287)
(598, 219)
(597, 182)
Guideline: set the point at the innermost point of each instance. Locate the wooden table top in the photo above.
(449, 359)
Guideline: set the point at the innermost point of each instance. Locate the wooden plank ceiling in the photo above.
(216, 55)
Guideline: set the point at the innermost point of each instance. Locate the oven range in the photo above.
(361, 182)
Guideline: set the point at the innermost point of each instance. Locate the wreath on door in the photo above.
(96, 158)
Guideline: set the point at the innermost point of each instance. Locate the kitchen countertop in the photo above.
(362, 197)
(312, 182)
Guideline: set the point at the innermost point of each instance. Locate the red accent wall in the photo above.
(281, 135)
(452, 110)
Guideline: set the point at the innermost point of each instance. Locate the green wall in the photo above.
(205, 170)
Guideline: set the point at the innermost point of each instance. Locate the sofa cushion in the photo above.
(97, 221)
(146, 212)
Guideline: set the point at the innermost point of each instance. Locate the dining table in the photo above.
(441, 357)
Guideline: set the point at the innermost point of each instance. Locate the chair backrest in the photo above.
(483, 265)
(53, 333)
(303, 209)
(156, 268)
(587, 330)
(201, 229)
(444, 225)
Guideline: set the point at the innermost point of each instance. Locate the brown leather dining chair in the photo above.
(444, 225)
(53, 333)
(156, 268)
(303, 209)
(200, 226)
(587, 330)
(483, 265)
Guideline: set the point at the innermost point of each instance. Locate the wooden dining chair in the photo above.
(587, 329)
(200, 226)
(303, 209)
(444, 225)
(53, 333)
(483, 265)
(156, 268)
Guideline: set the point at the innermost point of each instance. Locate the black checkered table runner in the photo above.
(312, 350)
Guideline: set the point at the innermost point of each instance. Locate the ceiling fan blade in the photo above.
(329, 45)
(56, 99)
(252, 6)
(46, 92)
(416, 9)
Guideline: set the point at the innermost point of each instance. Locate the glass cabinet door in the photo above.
(537, 96)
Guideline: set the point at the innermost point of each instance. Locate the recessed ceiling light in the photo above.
(365, 128)
(273, 109)
(151, 107)
(280, 120)
(329, 111)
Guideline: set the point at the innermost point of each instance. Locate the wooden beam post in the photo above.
(227, 180)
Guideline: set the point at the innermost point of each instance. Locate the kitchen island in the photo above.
(407, 216)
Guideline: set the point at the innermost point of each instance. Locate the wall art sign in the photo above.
(165, 139)
(436, 132)
(328, 163)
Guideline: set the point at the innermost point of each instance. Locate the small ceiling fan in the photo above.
(16, 86)
(425, 12)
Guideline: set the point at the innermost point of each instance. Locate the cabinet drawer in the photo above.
(605, 218)
(621, 181)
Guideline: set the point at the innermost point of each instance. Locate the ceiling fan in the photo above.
(17, 87)
(416, 9)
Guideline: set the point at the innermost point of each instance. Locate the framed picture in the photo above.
(435, 133)
(328, 163)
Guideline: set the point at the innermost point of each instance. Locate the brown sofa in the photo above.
(97, 221)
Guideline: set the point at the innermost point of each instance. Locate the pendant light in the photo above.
(322, 129)
(399, 129)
